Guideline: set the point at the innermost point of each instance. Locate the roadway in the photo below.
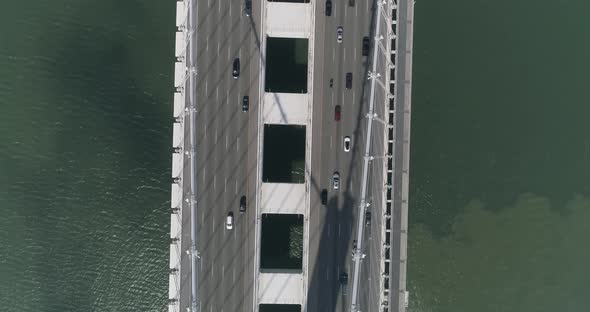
(226, 157)
(332, 228)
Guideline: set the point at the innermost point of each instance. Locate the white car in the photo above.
(347, 144)
(336, 180)
(229, 221)
(339, 34)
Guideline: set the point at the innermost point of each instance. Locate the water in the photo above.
(500, 173)
(500, 151)
(85, 106)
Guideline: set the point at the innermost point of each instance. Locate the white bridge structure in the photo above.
(390, 106)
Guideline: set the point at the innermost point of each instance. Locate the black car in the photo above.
(328, 8)
(236, 68)
(350, 2)
(248, 7)
(243, 204)
(348, 80)
(367, 218)
(343, 278)
(366, 45)
(324, 196)
(245, 103)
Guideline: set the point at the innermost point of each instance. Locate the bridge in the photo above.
(271, 163)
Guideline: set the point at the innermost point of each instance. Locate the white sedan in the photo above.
(339, 34)
(347, 144)
(229, 221)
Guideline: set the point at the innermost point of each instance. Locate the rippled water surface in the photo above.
(500, 165)
(85, 100)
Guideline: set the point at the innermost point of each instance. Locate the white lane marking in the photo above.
(344, 60)
(354, 54)
(222, 271)
(345, 12)
(211, 307)
(216, 94)
(338, 230)
(214, 180)
(213, 224)
(206, 87)
(226, 137)
(225, 185)
(215, 137)
(212, 271)
(234, 274)
(219, 6)
(236, 186)
(328, 229)
(230, 10)
(235, 232)
(330, 142)
(202, 260)
(238, 143)
(356, 10)
(207, 43)
(333, 56)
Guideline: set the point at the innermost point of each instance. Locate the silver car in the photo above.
(347, 144)
(339, 34)
(336, 180)
(229, 221)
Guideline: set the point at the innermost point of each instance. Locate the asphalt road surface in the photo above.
(226, 157)
(333, 227)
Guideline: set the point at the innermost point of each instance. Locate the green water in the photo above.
(85, 106)
(500, 151)
(500, 161)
